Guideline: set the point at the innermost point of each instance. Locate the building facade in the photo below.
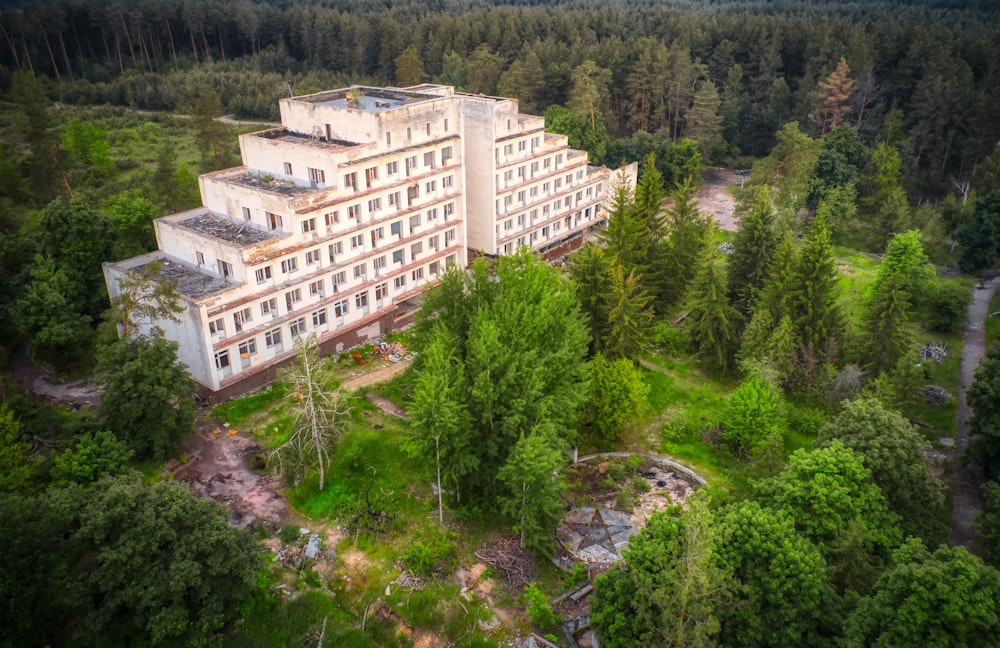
(338, 218)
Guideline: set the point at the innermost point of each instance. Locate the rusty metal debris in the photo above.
(242, 234)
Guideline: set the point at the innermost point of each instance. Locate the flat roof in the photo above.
(222, 227)
(372, 100)
(319, 141)
(261, 183)
(190, 282)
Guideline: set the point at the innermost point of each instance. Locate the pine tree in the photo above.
(630, 315)
(835, 98)
(534, 489)
(754, 248)
(813, 299)
(713, 322)
(704, 124)
(625, 237)
(688, 233)
(589, 268)
(887, 334)
(409, 67)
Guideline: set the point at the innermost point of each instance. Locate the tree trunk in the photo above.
(55, 68)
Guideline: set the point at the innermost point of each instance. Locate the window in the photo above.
(428, 125)
(292, 297)
(409, 133)
(535, 141)
(446, 155)
(217, 327)
(200, 258)
(534, 215)
(449, 236)
(247, 349)
(317, 176)
(547, 162)
(446, 125)
(435, 268)
(555, 226)
(340, 308)
(351, 181)
(449, 261)
(579, 196)
(508, 149)
(246, 213)
(354, 211)
(520, 196)
(225, 268)
(508, 201)
(297, 327)
(378, 234)
(559, 159)
(558, 183)
(508, 225)
(416, 249)
(546, 187)
(379, 263)
(374, 205)
(269, 307)
(508, 175)
(319, 318)
(397, 256)
(222, 362)
(417, 274)
(545, 211)
(432, 214)
(308, 225)
(335, 249)
(432, 243)
(381, 291)
(449, 209)
(312, 257)
(533, 192)
(430, 186)
(242, 317)
(331, 218)
(273, 339)
(520, 172)
(546, 232)
(521, 219)
(557, 205)
(534, 169)
(360, 272)
(399, 282)
(290, 265)
(411, 164)
(371, 175)
(288, 168)
(394, 199)
(388, 139)
(447, 182)
(273, 221)
(361, 300)
(316, 288)
(357, 241)
(522, 146)
(396, 228)
(429, 159)
(392, 168)
(414, 222)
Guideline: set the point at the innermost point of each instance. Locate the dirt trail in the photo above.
(965, 484)
(715, 197)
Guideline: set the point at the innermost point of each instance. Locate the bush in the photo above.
(433, 551)
(289, 533)
(946, 303)
(672, 340)
(539, 610)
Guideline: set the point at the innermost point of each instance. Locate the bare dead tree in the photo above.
(319, 420)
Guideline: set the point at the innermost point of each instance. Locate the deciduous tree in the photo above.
(616, 397)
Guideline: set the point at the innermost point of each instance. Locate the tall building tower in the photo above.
(337, 219)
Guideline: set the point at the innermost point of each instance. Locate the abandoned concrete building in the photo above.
(341, 216)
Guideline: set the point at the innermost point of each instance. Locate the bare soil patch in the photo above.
(218, 466)
(716, 196)
(376, 371)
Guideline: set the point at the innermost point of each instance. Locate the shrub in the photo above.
(946, 303)
(433, 551)
(539, 610)
(751, 414)
(289, 533)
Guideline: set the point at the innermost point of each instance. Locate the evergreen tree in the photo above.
(590, 269)
(754, 248)
(813, 300)
(630, 315)
(704, 124)
(886, 334)
(625, 237)
(616, 397)
(534, 489)
(409, 67)
(713, 322)
(688, 234)
(835, 98)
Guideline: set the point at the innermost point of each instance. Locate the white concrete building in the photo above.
(359, 201)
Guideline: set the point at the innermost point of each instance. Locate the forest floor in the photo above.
(965, 484)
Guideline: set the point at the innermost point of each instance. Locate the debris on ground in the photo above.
(507, 556)
(935, 351)
(935, 395)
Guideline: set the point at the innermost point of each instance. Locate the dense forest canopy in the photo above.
(656, 67)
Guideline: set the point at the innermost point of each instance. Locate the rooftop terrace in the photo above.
(318, 140)
(366, 99)
(220, 227)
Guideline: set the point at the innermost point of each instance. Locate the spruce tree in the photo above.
(630, 315)
(625, 237)
(589, 268)
(754, 248)
(688, 232)
(713, 321)
(813, 299)
(887, 335)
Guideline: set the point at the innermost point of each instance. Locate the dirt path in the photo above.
(376, 371)
(965, 484)
(715, 196)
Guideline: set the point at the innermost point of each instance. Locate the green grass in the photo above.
(237, 412)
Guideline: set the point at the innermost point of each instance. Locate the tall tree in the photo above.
(630, 315)
(438, 414)
(590, 92)
(704, 124)
(983, 397)
(688, 234)
(835, 98)
(589, 267)
(945, 598)
(980, 239)
(894, 452)
(885, 331)
(319, 418)
(409, 67)
(534, 489)
(713, 322)
(616, 397)
(673, 590)
(752, 414)
(813, 299)
(147, 401)
(143, 299)
(754, 248)
(16, 464)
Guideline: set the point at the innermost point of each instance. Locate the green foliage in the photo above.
(945, 598)
(946, 303)
(988, 523)
(894, 453)
(784, 597)
(688, 234)
(630, 315)
(16, 464)
(674, 591)
(166, 566)
(534, 487)
(616, 398)
(584, 134)
(86, 147)
(813, 301)
(91, 457)
(980, 238)
(887, 336)
(130, 217)
(753, 413)
(289, 533)
(712, 322)
(432, 551)
(983, 397)
(754, 248)
(147, 402)
(829, 495)
(539, 610)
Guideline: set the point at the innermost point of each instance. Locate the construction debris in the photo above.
(935, 351)
(220, 227)
(407, 580)
(391, 351)
(935, 395)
